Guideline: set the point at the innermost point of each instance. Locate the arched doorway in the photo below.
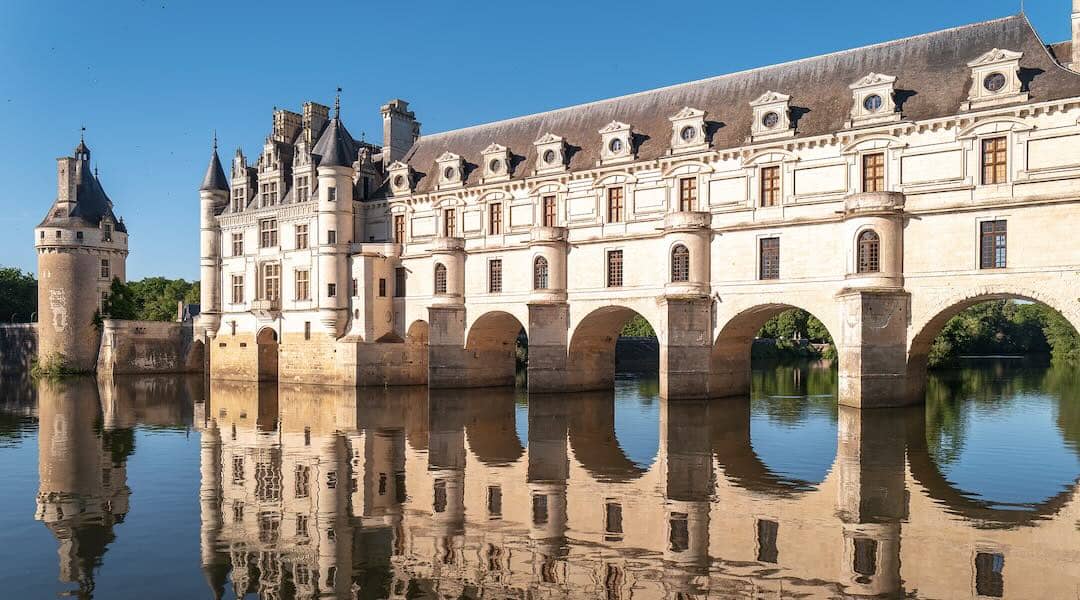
(731, 359)
(267, 342)
(499, 342)
(596, 351)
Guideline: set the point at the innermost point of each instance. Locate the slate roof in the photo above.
(92, 205)
(336, 147)
(215, 175)
(933, 80)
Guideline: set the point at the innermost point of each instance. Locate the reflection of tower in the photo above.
(446, 464)
(548, 471)
(685, 438)
(83, 489)
(872, 500)
(214, 565)
(332, 518)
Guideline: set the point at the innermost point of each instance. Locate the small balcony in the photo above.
(266, 309)
(544, 234)
(447, 244)
(687, 220)
(867, 203)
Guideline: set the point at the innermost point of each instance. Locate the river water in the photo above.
(163, 488)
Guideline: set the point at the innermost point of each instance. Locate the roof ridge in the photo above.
(726, 75)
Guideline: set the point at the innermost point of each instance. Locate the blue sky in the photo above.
(151, 80)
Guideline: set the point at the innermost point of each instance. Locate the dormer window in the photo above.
(873, 100)
(688, 130)
(995, 80)
(400, 180)
(617, 139)
(451, 169)
(772, 117)
(106, 232)
(551, 154)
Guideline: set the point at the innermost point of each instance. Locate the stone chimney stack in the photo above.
(400, 129)
(1075, 35)
(65, 182)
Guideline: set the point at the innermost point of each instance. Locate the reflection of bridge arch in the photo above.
(594, 441)
(982, 513)
(732, 446)
(729, 361)
(491, 427)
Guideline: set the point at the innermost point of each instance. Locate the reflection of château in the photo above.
(323, 492)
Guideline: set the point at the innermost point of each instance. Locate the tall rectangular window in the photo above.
(399, 229)
(303, 188)
(495, 218)
(269, 193)
(303, 285)
(399, 282)
(678, 532)
(770, 186)
(268, 233)
(355, 287)
(615, 205)
(539, 509)
(331, 194)
(990, 574)
(382, 287)
(992, 245)
(106, 232)
(494, 501)
(238, 244)
(237, 289)
(331, 290)
(769, 258)
(495, 276)
(238, 199)
(301, 236)
(995, 160)
(271, 287)
(547, 206)
(613, 519)
(766, 541)
(449, 222)
(614, 268)
(873, 172)
(103, 306)
(331, 237)
(106, 271)
(687, 193)
(301, 481)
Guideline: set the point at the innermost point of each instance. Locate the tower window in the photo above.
(399, 229)
(770, 185)
(440, 278)
(106, 232)
(331, 194)
(547, 205)
(873, 172)
(301, 236)
(769, 258)
(382, 287)
(869, 252)
(399, 282)
(687, 193)
(449, 222)
(495, 218)
(992, 244)
(495, 276)
(106, 271)
(994, 160)
(79, 235)
(614, 268)
(331, 237)
(615, 205)
(331, 290)
(680, 263)
(540, 273)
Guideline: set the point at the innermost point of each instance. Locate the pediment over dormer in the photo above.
(770, 97)
(494, 148)
(613, 127)
(448, 157)
(873, 79)
(548, 138)
(687, 113)
(996, 56)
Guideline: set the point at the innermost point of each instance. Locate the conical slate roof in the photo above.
(336, 148)
(92, 205)
(215, 175)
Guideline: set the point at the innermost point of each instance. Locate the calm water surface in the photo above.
(159, 488)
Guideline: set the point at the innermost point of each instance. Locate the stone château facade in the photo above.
(883, 189)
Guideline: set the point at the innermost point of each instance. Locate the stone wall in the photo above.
(18, 348)
(141, 347)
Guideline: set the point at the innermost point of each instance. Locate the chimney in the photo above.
(1075, 35)
(315, 118)
(65, 182)
(400, 129)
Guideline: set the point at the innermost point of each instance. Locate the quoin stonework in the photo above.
(883, 189)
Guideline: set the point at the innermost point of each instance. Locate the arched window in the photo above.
(680, 263)
(440, 278)
(540, 273)
(869, 252)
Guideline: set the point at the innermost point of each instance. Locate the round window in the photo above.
(770, 120)
(615, 146)
(549, 156)
(688, 133)
(448, 173)
(994, 82)
(399, 181)
(872, 103)
(495, 166)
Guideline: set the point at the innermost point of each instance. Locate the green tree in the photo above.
(18, 295)
(120, 304)
(637, 327)
(1006, 327)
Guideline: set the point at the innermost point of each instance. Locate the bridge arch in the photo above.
(729, 361)
(493, 336)
(266, 341)
(593, 336)
(927, 324)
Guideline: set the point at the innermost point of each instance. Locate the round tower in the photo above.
(81, 248)
(337, 152)
(213, 198)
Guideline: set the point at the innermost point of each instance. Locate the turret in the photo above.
(81, 247)
(336, 150)
(213, 198)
